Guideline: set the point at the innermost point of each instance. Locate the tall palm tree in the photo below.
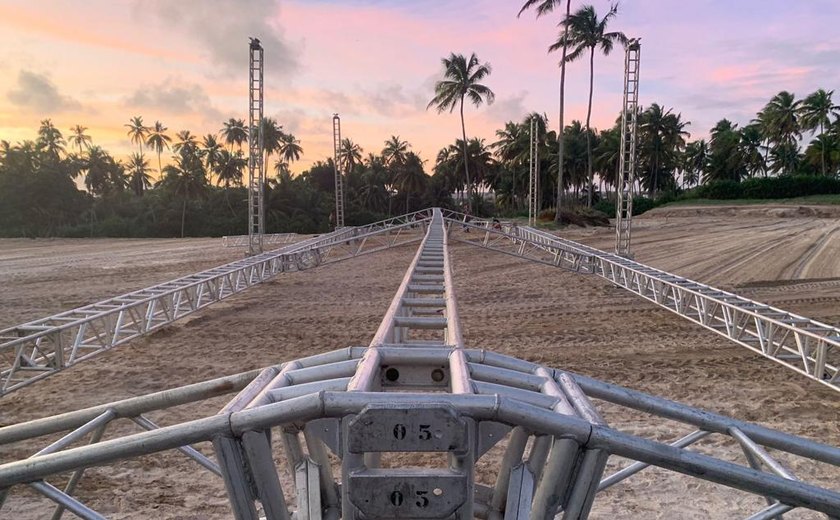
(272, 136)
(187, 143)
(395, 150)
(234, 133)
(751, 152)
(290, 149)
(584, 31)
(817, 110)
(461, 77)
(350, 155)
(695, 162)
(662, 139)
(229, 168)
(543, 8)
(210, 150)
(50, 141)
(139, 178)
(187, 178)
(96, 179)
(783, 118)
(79, 138)
(411, 179)
(137, 131)
(158, 140)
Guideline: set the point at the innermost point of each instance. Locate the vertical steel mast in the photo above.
(534, 170)
(256, 170)
(627, 159)
(339, 181)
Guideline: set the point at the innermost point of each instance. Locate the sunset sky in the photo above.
(99, 62)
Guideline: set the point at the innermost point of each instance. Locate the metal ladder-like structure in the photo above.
(339, 177)
(407, 418)
(534, 175)
(627, 158)
(256, 168)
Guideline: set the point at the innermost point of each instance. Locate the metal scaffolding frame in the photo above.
(627, 154)
(534, 174)
(271, 239)
(417, 390)
(36, 349)
(339, 177)
(256, 168)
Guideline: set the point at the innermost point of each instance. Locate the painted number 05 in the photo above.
(424, 432)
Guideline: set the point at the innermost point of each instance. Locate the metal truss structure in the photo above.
(406, 420)
(34, 350)
(627, 154)
(37, 349)
(339, 177)
(271, 239)
(534, 174)
(256, 168)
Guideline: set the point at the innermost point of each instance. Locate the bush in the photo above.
(784, 187)
(721, 190)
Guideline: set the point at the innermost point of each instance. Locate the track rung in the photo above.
(420, 323)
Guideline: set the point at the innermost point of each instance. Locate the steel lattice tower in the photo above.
(339, 181)
(627, 159)
(534, 171)
(256, 170)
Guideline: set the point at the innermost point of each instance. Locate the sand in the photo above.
(575, 322)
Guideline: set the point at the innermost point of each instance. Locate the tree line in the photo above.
(199, 191)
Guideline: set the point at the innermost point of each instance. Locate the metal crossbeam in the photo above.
(627, 154)
(256, 168)
(34, 350)
(416, 390)
(270, 239)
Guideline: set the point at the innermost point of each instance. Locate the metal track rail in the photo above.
(35, 350)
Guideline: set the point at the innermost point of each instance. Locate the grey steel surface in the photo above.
(533, 174)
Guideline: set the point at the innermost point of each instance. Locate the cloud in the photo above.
(172, 98)
(222, 29)
(38, 92)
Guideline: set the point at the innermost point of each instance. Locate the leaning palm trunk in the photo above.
(560, 137)
(590, 175)
(466, 161)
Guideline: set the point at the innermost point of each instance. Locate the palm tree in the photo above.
(229, 168)
(79, 138)
(695, 162)
(350, 155)
(661, 141)
(817, 110)
(290, 149)
(544, 7)
(395, 151)
(137, 132)
(186, 177)
(754, 160)
(187, 143)
(234, 133)
(210, 150)
(139, 177)
(411, 178)
(158, 140)
(50, 141)
(782, 123)
(584, 31)
(272, 136)
(461, 79)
